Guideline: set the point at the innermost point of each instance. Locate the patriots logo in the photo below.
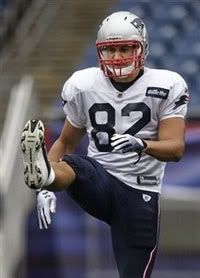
(138, 23)
(182, 100)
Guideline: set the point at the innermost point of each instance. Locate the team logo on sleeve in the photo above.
(182, 100)
(157, 92)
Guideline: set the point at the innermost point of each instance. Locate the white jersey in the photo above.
(92, 102)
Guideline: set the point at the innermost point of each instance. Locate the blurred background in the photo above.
(42, 44)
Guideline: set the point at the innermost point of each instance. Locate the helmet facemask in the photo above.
(122, 29)
(124, 66)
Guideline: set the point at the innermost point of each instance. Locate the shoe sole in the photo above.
(34, 154)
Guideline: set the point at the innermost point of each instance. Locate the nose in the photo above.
(117, 54)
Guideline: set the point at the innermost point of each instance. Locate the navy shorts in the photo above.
(132, 214)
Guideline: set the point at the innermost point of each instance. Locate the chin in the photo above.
(123, 79)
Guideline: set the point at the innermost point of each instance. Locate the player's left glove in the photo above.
(46, 204)
(128, 143)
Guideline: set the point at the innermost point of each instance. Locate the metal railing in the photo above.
(16, 200)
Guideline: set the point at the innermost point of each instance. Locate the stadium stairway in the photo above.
(49, 40)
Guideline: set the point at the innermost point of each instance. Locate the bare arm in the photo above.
(66, 143)
(170, 145)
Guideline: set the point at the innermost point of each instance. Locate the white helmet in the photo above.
(119, 29)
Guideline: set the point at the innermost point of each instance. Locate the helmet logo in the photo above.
(138, 23)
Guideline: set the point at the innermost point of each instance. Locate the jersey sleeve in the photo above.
(176, 103)
(71, 102)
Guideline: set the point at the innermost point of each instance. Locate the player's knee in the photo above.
(64, 174)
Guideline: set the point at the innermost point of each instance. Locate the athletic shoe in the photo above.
(36, 165)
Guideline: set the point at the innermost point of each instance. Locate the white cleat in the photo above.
(36, 165)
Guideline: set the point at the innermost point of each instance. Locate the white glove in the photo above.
(127, 143)
(46, 204)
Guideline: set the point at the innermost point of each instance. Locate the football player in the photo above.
(134, 117)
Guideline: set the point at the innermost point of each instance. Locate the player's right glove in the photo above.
(128, 143)
(46, 204)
